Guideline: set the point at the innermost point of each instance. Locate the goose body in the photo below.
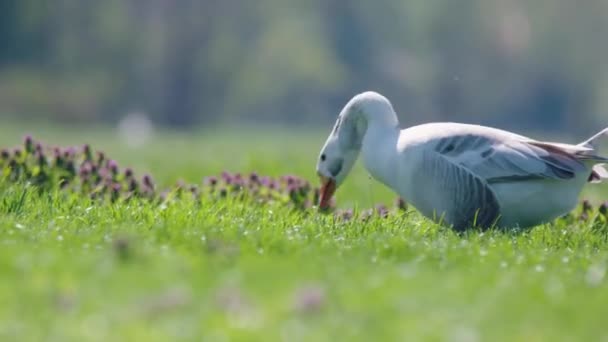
(459, 174)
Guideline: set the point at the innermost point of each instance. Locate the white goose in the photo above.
(458, 174)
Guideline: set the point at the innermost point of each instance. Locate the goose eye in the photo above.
(323, 157)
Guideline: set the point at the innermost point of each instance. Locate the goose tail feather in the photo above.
(595, 140)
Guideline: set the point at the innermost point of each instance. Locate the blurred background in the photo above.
(523, 65)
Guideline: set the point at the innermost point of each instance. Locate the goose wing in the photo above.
(500, 159)
(452, 193)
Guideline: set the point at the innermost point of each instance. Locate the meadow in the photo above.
(75, 269)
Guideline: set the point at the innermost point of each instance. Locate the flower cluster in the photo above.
(78, 169)
(588, 212)
(92, 173)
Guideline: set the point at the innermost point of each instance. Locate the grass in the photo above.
(230, 271)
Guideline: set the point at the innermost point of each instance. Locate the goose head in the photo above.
(335, 162)
(342, 147)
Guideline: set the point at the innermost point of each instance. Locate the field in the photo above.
(228, 270)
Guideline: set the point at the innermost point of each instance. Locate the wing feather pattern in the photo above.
(463, 199)
(499, 161)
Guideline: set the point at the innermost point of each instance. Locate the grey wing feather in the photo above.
(463, 198)
(509, 160)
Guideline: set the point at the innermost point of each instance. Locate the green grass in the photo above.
(234, 271)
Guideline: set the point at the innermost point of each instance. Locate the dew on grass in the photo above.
(95, 175)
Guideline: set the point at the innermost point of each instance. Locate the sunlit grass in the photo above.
(74, 269)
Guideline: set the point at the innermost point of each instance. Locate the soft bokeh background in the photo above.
(537, 66)
(183, 89)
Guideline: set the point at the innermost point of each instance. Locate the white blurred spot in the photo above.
(135, 129)
(554, 288)
(463, 333)
(595, 274)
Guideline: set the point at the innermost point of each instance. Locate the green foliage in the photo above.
(538, 64)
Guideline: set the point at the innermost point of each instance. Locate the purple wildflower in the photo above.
(58, 158)
(227, 177)
(88, 155)
(292, 191)
(128, 173)
(603, 209)
(133, 185)
(17, 153)
(272, 185)
(40, 159)
(115, 191)
(310, 299)
(147, 180)
(113, 166)
(345, 215)
(587, 206)
(382, 210)
(367, 214)
(104, 174)
(85, 170)
(5, 154)
(28, 144)
(211, 181)
(265, 181)
(254, 178)
(401, 204)
(223, 192)
(69, 153)
(71, 168)
(288, 179)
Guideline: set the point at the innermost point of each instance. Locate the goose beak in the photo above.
(328, 187)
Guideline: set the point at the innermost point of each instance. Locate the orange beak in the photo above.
(328, 187)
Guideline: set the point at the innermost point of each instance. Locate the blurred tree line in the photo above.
(539, 64)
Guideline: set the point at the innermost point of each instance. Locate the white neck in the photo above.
(379, 153)
(368, 124)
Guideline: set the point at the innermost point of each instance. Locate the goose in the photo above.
(459, 175)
